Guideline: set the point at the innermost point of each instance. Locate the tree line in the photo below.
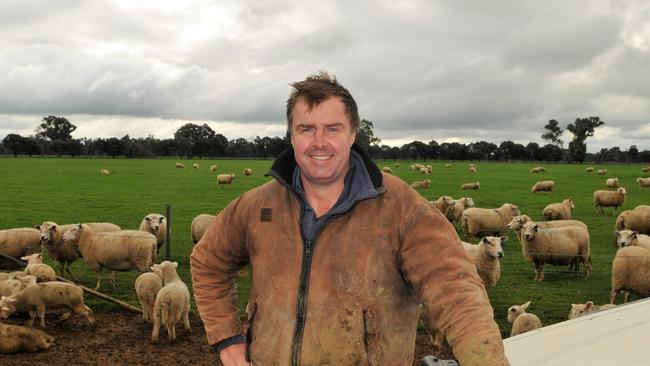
(54, 137)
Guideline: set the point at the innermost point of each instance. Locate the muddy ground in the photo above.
(122, 338)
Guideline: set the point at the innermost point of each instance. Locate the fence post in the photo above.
(168, 229)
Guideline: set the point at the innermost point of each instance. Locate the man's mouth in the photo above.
(320, 157)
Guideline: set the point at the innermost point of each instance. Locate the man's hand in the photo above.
(234, 355)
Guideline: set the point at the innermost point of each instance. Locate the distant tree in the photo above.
(240, 148)
(55, 128)
(552, 152)
(58, 147)
(262, 146)
(15, 143)
(279, 144)
(482, 150)
(416, 150)
(533, 152)
(32, 146)
(113, 147)
(454, 151)
(512, 151)
(218, 145)
(553, 134)
(73, 147)
(434, 150)
(366, 136)
(581, 129)
(195, 138)
(633, 153)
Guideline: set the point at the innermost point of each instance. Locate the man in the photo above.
(341, 256)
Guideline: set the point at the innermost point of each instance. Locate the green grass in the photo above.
(72, 190)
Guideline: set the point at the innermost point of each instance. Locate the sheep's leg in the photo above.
(87, 312)
(65, 316)
(612, 296)
(539, 267)
(113, 280)
(626, 297)
(588, 267)
(32, 315)
(99, 278)
(41, 314)
(61, 268)
(186, 318)
(155, 330)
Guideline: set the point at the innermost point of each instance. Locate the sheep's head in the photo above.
(517, 222)
(33, 258)
(622, 191)
(48, 231)
(578, 310)
(625, 238)
(493, 245)
(529, 230)
(73, 233)
(468, 202)
(155, 222)
(515, 310)
(7, 306)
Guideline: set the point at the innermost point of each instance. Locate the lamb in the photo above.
(611, 182)
(387, 169)
(466, 186)
(522, 321)
(225, 179)
(578, 310)
(645, 169)
(603, 198)
(19, 242)
(559, 211)
(455, 212)
(421, 184)
(115, 250)
(172, 302)
(35, 298)
(472, 169)
(195, 166)
(538, 169)
(625, 238)
(443, 203)
(447, 165)
(558, 246)
(213, 168)
(602, 171)
(424, 170)
(199, 225)
(15, 283)
(38, 269)
(16, 338)
(487, 221)
(486, 256)
(248, 171)
(630, 272)
(636, 220)
(543, 186)
(180, 165)
(643, 182)
(155, 224)
(589, 169)
(146, 287)
(104, 172)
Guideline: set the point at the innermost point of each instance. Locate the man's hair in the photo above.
(317, 88)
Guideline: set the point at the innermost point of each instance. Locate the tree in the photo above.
(581, 129)
(195, 138)
(415, 150)
(55, 128)
(365, 135)
(553, 134)
(633, 153)
(15, 143)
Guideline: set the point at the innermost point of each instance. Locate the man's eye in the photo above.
(332, 129)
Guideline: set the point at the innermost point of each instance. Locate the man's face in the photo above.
(321, 139)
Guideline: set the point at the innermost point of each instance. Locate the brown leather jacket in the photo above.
(353, 298)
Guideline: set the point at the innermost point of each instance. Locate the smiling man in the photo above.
(342, 257)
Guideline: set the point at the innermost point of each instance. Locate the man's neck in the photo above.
(322, 198)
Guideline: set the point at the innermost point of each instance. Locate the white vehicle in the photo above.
(617, 336)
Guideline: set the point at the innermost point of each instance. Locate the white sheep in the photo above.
(387, 169)
(602, 171)
(116, 250)
(643, 182)
(225, 179)
(637, 219)
(630, 272)
(578, 310)
(15, 283)
(248, 171)
(213, 168)
(38, 269)
(448, 165)
(486, 256)
(612, 183)
(472, 169)
(146, 287)
(474, 185)
(195, 166)
(543, 186)
(180, 165)
(603, 198)
(19, 242)
(443, 203)
(589, 169)
(455, 212)
(645, 169)
(155, 224)
(567, 245)
(517, 223)
(626, 238)
(538, 169)
(559, 211)
(522, 321)
(36, 298)
(104, 172)
(172, 302)
(19, 339)
(488, 221)
(199, 225)
(421, 184)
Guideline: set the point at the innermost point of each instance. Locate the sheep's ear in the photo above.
(24, 258)
(147, 218)
(484, 240)
(175, 264)
(37, 227)
(79, 226)
(525, 305)
(161, 219)
(504, 239)
(535, 227)
(618, 233)
(588, 305)
(634, 233)
(52, 228)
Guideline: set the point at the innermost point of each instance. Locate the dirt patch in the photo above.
(122, 338)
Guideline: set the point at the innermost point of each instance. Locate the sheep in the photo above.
(115, 250)
(387, 169)
(35, 298)
(636, 220)
(38, 269)
(558, 246)
(625, 238)
(578, 310)
(213, 168)
(15, 283)
(396, 165)
(455, 212)
(421, 184)
(447, 165)
(559, 211)
(602, 171)
(472, 165)
(630, 272)
(543, 186)
(195, 166)
(466, 186)
(486, 256)
(538, 169)
(155, 224)
(225, 179)
(180, 165)
(589, 169)
(489, 221)
(645, 169)
(104, 172)
(248, 171)
(603, 198)
(611, 182)
(643, 182)
(517, 223)
(146, 287)
(429, 169)
(199, 225)
(443, 203)
(522, 321)
(16, 338)
(17, 243)
(472, 169)
(172, 302)
(424, 170)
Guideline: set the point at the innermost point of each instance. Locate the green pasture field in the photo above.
(68, 190)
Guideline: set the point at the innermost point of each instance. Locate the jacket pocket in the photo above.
(249, 331)
(369, 337)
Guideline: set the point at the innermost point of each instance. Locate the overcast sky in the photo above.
(420, 70)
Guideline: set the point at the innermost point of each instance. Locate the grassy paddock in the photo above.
(72, 190)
